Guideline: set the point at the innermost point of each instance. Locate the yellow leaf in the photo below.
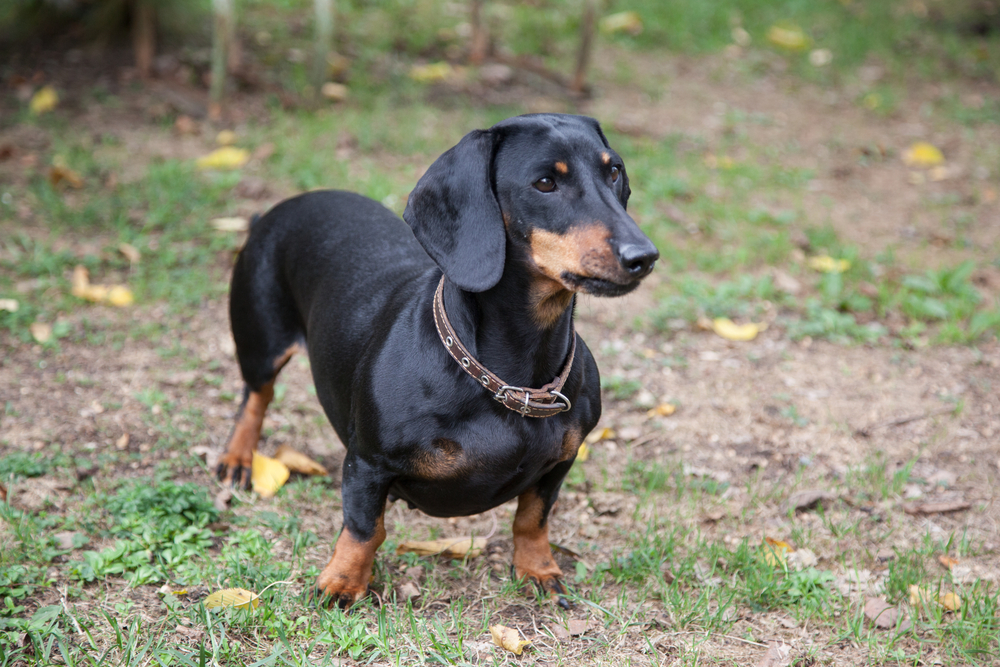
(63, 174)
(231, 224)
(131, 253)
(267, 475)
(600, 434)
(627, 22)
(922, 155)
(232, 597)
(227, 157)
(120, 296)
(432, 73)
(947, 561)
(44, 100)
(508, 639)
(919, 597)
(662, 410)
(950, 601)
(41, 332)
(729, 330)
(453, 547)
(788, 36)
(827, 264)
(298, 462)
(775, 551)
(225, 138)
(10, 305)
(583, 453)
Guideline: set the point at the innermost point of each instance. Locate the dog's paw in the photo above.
(235, 470)
(547, 585)
(338, 590)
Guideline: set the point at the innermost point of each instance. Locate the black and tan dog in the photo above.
(453, 392)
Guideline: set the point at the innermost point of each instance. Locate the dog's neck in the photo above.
(501, 328)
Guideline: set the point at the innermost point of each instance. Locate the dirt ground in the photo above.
(852, 405)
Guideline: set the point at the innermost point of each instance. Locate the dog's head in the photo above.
(547, 183)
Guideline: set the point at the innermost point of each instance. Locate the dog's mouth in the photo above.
(597, 286)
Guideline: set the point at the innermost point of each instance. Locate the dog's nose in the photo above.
(638, 259)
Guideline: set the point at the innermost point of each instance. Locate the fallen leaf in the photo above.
(408, 590)
(807, 499)
(950, 601)
(62, 174)
(44, 100)
(70, 539)
(801, 559)
(10, 305)
(231, 224)
(775, 551)
(122, 442)
(225, 138)
(662, 410)
(223, 498)
(41, 332)
(298, 462)
(919, 597)
(335, 92)
(820, 57)
(827, 264)
(232, 597)
(922, 155)
(942, 507)
(628, 22)
(600, 434)
(788, 36)
(227, 157)
(725, 327)
(433, 72)
(508, 639)
(131, 253)
(947, 561)
(778, 654)
(267, 475)
(454, 547)
(883, 614)
(81, 287)
(578, 626)
(583, 453)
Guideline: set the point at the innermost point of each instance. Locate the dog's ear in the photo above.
(455, 216)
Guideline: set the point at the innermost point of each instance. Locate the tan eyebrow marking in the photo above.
(605, 158)
(562, 167)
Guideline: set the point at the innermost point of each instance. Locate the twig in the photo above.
(866, 431)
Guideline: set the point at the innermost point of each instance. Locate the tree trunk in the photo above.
(324, 42)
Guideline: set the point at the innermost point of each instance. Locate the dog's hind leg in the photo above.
(267, 333)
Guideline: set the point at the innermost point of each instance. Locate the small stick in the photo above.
(579, 85)
(866, 431)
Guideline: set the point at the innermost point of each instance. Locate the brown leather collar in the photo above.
(528, 402)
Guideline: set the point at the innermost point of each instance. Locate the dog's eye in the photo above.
(615, 172)
(545, 184)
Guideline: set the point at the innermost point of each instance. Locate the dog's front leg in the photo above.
(532, 554)
(345, 578)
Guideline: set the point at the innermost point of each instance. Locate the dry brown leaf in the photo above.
(408, 590)
(267, 475)
(62, 174)
(947, 561)
(508, 639)
(941, 507)
(807, 499)
(884, 615)
(453, 547)
(122, 442)
(298, 462)
(778, 654)
(232, 597)
(578, 626)
(919, 597)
